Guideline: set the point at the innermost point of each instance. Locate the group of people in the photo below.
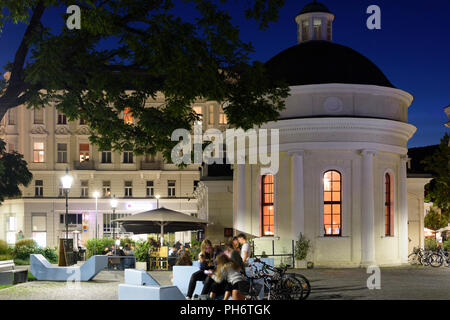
(222, 269)
(120, 264)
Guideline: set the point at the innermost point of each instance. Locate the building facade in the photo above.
(343, 153)
(50, 144)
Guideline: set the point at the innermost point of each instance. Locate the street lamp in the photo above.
(96, 195)
(66, 181)
(113, 203)
(157, 200)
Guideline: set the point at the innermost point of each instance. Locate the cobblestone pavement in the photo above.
(337, 284)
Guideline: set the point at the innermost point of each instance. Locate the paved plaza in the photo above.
(336, 284)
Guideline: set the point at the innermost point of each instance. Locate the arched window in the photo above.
(267, 200)
(387, 205)
(332, 203)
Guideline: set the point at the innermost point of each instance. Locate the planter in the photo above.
(141, 265)
(300, 264)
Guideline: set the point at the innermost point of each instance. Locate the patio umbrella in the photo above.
(160, 220)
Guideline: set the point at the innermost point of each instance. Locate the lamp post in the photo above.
(66, 181)
(96, 195)
(157, 200)
(113, 203)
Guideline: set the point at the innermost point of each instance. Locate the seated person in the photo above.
(229, 277)
(205, 257)
(184, 260)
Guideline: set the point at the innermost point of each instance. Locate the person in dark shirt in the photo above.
(205, 257)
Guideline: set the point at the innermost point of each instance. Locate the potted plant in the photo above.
(302, 248)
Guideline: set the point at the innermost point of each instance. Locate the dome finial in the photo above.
(314, 22)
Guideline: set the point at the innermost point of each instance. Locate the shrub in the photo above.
(20, 262)
(141, 252)
(430, 244)
(5, 257)
(125, 241)
(4, 249)
(446, 245)
(101, 244)
(50, 254)
(302, 246)
(24, 248)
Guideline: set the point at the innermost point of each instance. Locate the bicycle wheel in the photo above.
(413, 259)
(292, 288)
(436, 260)
(305, 285)
(425, 260)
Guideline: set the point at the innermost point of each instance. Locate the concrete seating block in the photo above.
(181, 277)
(43, 270)
(139, 277)
(133, 292)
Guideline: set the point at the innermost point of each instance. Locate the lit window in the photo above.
(127, 116)
(199, 112)
(62, 153)
(62, 119)
(332, 205)
(267, 205)
(171, 188)
(38, 116)
(305, 30)
(38, 152)
(211, 114)
(222, 116)
(84, 152)
(388, 230)
(317, 29)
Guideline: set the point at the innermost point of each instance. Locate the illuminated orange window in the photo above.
(127, 116)
(332, 203)
(387, 205)
(84, 152)
(267, 200)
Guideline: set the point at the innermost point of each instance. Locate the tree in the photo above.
(438, 190)
(154, 51)
(13, 173)
(434, 220)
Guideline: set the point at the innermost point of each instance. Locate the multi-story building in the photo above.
(50, 144)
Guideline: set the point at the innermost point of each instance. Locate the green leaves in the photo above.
(438, 190)
(130, 51)
(13, 173)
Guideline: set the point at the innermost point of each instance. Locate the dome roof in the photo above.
(320, 62)
(314, 7)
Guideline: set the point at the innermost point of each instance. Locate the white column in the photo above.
(367, 214)
(297, 196)
(403, 211)
(241, 185)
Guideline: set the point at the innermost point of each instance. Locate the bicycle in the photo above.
(281, 285)
(438, 258)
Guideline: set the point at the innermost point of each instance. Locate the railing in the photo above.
(155, 165)
(84, 165)
(291, 255)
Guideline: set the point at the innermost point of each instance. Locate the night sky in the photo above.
(412, 48)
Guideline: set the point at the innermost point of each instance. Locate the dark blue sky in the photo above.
(412, 48)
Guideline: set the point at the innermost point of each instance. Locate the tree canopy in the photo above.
(438, 190)
(13, 173)
(154, 51)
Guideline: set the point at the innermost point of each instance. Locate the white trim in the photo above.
(330, 88)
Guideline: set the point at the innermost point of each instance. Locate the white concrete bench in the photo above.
(41, 269)
(139, 285)
(9, 275)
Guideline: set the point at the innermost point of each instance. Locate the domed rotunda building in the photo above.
(343, 151)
